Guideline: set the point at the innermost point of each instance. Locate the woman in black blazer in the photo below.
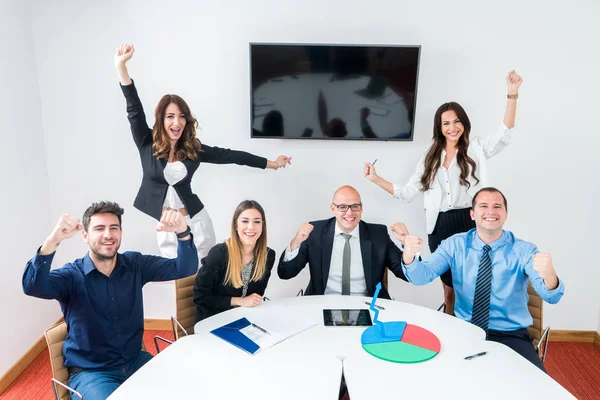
(170, 154)
(236, 272)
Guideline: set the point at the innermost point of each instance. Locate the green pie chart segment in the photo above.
(399, 352)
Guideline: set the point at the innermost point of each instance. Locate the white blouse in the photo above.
(454, 195)
(480, 149)
(174, 172)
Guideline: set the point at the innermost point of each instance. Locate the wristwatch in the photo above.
(184, 233)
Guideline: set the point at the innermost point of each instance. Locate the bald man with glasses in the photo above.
(345, 255)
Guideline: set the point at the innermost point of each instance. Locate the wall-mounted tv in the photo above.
(324, 91)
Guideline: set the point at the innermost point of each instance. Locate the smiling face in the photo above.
(489, 213)
(103, 236)
(174, 122)
(452, 127)
(349, 219)
(249, 227)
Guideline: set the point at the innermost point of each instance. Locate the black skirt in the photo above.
(449, 223)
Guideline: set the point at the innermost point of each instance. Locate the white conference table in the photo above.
(500, 374)
(192, 368)
(309, 364)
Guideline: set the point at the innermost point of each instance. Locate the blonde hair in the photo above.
(233, 276)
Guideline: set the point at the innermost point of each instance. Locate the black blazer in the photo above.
(153, 190)
(210, 294)
(377, 249)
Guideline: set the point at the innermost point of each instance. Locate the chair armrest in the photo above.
(156, 339)
(175, 333)
(57, 382)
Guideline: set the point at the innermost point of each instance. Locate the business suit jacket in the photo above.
(377, 249)
(210, 294)
(153, 190)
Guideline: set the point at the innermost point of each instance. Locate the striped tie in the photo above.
(481, 301)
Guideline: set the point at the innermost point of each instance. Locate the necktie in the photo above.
(483, 286)
(346, 265)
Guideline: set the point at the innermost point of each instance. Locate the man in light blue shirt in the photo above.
(490, 268)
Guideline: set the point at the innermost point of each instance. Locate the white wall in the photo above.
(25, 197)
(200, 51)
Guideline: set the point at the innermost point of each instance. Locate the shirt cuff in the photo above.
(289, 254)
(396, 188)
(39, 260)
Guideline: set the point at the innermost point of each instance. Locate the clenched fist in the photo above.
(411, 248)
(542, 263)
(123, 54)
(301, 236)
(400, 231)
(172, 221)
(66, 227)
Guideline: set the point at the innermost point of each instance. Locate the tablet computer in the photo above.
(347, 318)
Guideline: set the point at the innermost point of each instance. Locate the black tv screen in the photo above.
(301, 91)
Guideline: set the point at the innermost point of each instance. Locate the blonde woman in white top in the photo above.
(452, 171)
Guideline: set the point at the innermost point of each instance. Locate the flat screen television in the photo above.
(325, 91)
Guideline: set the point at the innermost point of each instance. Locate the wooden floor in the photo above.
(576, 366)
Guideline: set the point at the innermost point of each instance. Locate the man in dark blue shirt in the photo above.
(101, 294)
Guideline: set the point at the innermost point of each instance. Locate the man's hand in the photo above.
(542, 263)
(400, 231)
(301, 236)
(66, 227)
(172, 221)
(411, 248)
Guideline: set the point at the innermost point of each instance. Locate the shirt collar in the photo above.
(354, 233)
(476, 243)
(88, 264)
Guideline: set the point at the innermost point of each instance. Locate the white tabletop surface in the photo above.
(192, 369)
(309, 364)
(500, 374)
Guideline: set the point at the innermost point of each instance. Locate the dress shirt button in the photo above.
(113, 299)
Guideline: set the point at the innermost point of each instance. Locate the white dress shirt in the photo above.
(173, 173)
(358, 285)
(454, 195)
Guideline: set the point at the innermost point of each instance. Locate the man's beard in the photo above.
(102, 257)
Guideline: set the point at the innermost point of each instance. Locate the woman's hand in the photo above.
(252, 300)
(513, 81)
(369, 171)
(123, 54)
(280, 162)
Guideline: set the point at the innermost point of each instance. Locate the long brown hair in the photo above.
(188, 144)
(434, 154)
(233, 276)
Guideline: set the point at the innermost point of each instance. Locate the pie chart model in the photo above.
(400, 342)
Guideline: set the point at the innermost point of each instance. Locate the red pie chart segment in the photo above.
(421, 337)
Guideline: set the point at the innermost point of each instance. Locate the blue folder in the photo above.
(231, 333)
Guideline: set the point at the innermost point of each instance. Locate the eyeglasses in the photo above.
(345, 207)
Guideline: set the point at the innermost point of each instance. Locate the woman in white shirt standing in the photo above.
(452, 171)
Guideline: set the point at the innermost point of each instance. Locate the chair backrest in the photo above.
(536, 310)
(185, 308)
(55, 338)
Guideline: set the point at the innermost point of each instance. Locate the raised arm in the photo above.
(38, 280)
(142, 134)
(294, 258)
(513, 82)
(122, 55)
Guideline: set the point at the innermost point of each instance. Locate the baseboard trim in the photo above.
(40, 345)
(158, 325)
(597, 339)
(573, 336)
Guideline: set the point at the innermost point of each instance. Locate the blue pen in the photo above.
(483, 353)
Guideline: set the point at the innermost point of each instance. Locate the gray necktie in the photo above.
(346, 265)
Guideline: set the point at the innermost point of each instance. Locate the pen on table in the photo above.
(483, 353)
(259, 328)
(376, 306)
